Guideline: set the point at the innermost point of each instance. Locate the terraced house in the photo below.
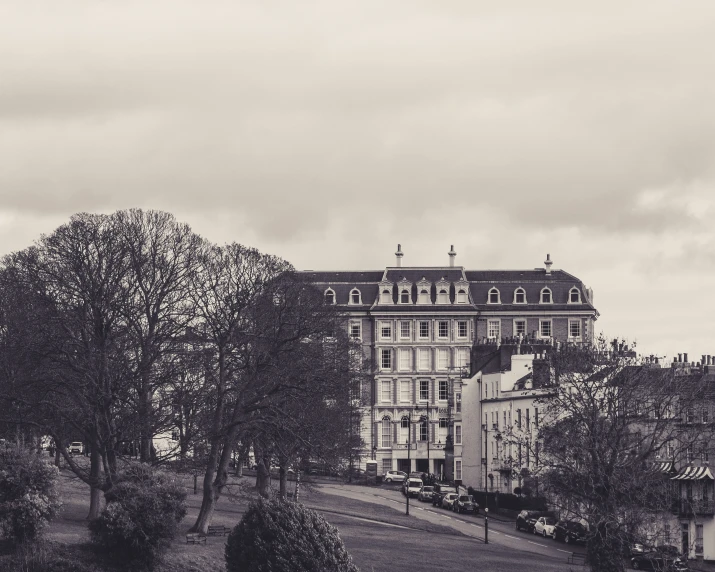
(419, 328)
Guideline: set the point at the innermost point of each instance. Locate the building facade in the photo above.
(420, 329)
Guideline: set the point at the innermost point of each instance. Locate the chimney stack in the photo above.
(685, 358)
(398, 255)
(548, 264)
(680, 358)
(452, 254)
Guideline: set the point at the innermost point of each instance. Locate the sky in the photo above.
(327, 132)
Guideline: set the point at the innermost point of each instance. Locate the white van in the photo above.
(412, 487)
(76, 448)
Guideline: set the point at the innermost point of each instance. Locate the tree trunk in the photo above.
(282, 485)
(263, 477)
(58, 456)
(95, 494)
(145, 455)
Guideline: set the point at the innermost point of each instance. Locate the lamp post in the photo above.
(407, 481)
(486, 525)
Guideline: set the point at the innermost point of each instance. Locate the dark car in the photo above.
(570, 532)
(526, 519)
(438, 492)
(465, 503)
(663, 560)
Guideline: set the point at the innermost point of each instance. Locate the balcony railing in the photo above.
(692, 507)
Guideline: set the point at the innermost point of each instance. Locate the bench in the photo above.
(577, 558)
(219, 530)
(195, 538)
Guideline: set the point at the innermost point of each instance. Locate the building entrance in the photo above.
(404, 465)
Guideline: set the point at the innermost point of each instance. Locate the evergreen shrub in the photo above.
(280, 536)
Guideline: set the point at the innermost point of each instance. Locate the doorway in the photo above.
(685, 539)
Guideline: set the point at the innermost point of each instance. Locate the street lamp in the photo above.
(406, 485)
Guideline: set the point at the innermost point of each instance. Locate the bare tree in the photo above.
(607, 421)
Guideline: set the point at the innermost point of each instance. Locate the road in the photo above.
(500, 533)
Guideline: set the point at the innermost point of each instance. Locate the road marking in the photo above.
(537, 544)
(566, 551)
(510, 536)
(419, 508)
(445, 516)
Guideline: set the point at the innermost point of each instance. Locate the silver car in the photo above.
(425, 494)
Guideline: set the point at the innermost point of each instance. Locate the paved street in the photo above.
(500, 533)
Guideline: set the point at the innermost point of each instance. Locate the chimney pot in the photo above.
(685, 358)
(398, 256)
(680, 358)
(452, 254)
(548, 263)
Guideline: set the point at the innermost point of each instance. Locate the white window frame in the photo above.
(386, 465)
(405, 391)
(423, 296)
(443, 359)
(386, 358)
(461, 296)
(386, 326)
(490, 324)
(359, 295)
(443, 429)
(386, 435)
(462, 357)
(520, 320)
(541, 295)
(386, 391)
(325, 295)
(407, 291)
(445, 335)
(403, 335)
(542, 323)
(404, 429)
(519, 290)
(493, 290)
(357, 325)
(577, 322)
(458, 469)
(405, 363)
(423, 430)
(460, 335)
(578, 295)
(424, 359)
(419, 325)
(423, 389)
(385, 295)
(443, 296)
(457, 434)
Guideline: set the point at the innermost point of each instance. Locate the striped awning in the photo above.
(664, 467)
(693, 474)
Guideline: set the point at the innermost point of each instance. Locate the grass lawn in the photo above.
(395, 542)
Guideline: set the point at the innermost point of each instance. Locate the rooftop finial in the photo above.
(398, 255)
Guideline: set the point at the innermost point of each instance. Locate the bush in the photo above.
(279, 536)
(142, 515)
(29, 497)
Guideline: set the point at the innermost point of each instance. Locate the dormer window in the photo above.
(386, 296)
(546, 297)
(493, 296)
(443, 296)
(405, 297)
(423, 296)
(461, 296)
(329, 296)
(574, 296)
(519, 296)
(355, 297)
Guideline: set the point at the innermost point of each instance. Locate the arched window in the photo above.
(404, 429)
(546, 297)
(355, 296)
(405, 297)
(424, 430)
(574, 296)
(329, 296)
(520, 296)
(443, 296)
(423, 297)
(493, 297)
(386, 440)
(386, 296)
(461, 297)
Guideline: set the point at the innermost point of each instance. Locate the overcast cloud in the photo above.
(327, 132)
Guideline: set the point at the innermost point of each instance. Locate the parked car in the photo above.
(425, 494)
(569, 532)
(544, 525)
(437, 496)
(526, 519)
(398, 476)
(76, 448)
(449, 500)
(661, 560)
(412, 487)
(465, 503)
(417, 475)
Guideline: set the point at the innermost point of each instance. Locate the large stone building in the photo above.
(419, 327)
